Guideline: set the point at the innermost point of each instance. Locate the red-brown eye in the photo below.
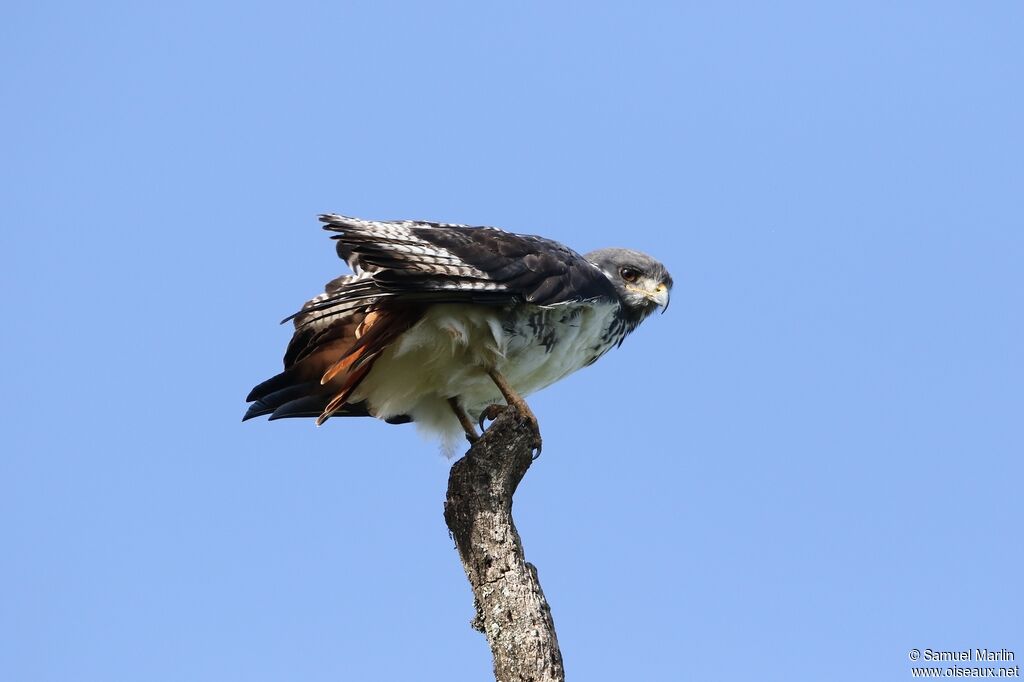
(629, 274)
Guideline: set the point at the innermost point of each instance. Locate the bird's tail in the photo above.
(289, 394)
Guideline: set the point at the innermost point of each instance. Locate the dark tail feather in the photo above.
(286, 379)
(282, 398)
(292, 393)
(313, 406)
(267, 403)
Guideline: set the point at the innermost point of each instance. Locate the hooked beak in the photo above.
(657, 295)
(660, 296)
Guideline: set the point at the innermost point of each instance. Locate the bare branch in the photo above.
(510, 605)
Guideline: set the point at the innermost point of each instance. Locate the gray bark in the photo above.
(510, 607)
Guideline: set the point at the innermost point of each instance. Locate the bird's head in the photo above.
(642, 283)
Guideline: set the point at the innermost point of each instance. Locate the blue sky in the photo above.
(810, 465)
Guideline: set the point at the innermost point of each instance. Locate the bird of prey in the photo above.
(439, 323)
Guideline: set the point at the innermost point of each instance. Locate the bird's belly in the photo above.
(448, 352)
(566, 339)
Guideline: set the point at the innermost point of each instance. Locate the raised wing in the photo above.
(438, 262)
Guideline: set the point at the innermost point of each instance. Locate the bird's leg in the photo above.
(515, 400)
(467, 424)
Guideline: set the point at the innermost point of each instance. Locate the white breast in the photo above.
(447, 354)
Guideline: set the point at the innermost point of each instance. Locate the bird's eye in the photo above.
(630, 274)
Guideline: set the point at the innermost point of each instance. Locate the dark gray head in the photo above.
(642, 283)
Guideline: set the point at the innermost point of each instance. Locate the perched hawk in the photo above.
(439, 322)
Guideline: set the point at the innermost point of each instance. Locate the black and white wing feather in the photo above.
(439, 262)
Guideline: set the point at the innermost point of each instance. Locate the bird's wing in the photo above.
(438, 262)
